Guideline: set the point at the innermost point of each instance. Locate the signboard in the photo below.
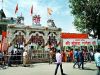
(74, 36)
(79, 42)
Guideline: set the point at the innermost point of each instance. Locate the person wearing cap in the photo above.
(58, 62)
(97, 60)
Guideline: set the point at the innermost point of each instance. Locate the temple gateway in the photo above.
(36, 39)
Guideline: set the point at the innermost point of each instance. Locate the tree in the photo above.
(86, 16)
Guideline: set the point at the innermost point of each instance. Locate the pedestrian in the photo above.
(11, 58)
(76, 58)
(25, 58)
(58, 62)
(97, 60)
(1, 57)
(71, 55)
(50, 56)
(81, 58)
(63, 56)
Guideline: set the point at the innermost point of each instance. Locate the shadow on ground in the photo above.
(87, 68)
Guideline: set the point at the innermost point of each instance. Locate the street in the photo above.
(48, 69)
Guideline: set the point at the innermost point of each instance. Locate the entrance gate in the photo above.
(39, 56)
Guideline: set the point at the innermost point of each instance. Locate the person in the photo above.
(81, 58)
(1, 57)
(18, 57)
(71, 55)
(25, 57)
(76, 58)
(97, 60)
(11, 57)
(2, 63)
(58, 62)
(63, 56)
(50, 56)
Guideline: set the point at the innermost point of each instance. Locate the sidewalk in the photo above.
(48, 69)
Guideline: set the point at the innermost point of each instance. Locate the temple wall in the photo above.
(33, 36)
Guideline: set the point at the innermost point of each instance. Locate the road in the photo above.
(48, 69)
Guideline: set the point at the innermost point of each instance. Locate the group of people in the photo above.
(78, 59)
(58, 56)
(14, 57)
(19, 57)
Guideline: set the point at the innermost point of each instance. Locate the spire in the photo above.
(2, 14)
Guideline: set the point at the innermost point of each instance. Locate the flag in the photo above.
(4, 34)
(16, 9)
(49, 10)
(32, 10)
(4, 44)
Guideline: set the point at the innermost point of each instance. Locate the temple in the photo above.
(37, 38)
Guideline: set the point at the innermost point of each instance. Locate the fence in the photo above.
(40, 56)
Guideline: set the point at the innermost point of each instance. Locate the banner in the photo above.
(79, 42)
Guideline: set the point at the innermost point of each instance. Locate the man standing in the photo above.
(58, 62)
(50, 56)
(25, 57)
(97, 60)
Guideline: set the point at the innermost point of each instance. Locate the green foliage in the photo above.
(86, 16)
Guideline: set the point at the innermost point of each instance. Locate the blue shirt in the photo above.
(76, 54)
(97, 59)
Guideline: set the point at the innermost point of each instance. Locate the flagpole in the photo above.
(2, 4)
(16, 11)
(32, 19)
(47, 15)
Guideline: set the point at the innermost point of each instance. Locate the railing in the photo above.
(40, 56)
(35, 56)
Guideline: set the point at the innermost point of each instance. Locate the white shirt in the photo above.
(24, 54)
(58, 58)
(10, 49)
(15, 50)
(21, 46)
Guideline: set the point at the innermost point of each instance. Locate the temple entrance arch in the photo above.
(19, 39)
(36, 44)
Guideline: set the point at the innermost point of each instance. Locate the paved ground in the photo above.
(46, 69)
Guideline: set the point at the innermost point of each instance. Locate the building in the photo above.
(72, 40)
(37, 39)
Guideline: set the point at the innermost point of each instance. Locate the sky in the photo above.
(61, 12)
